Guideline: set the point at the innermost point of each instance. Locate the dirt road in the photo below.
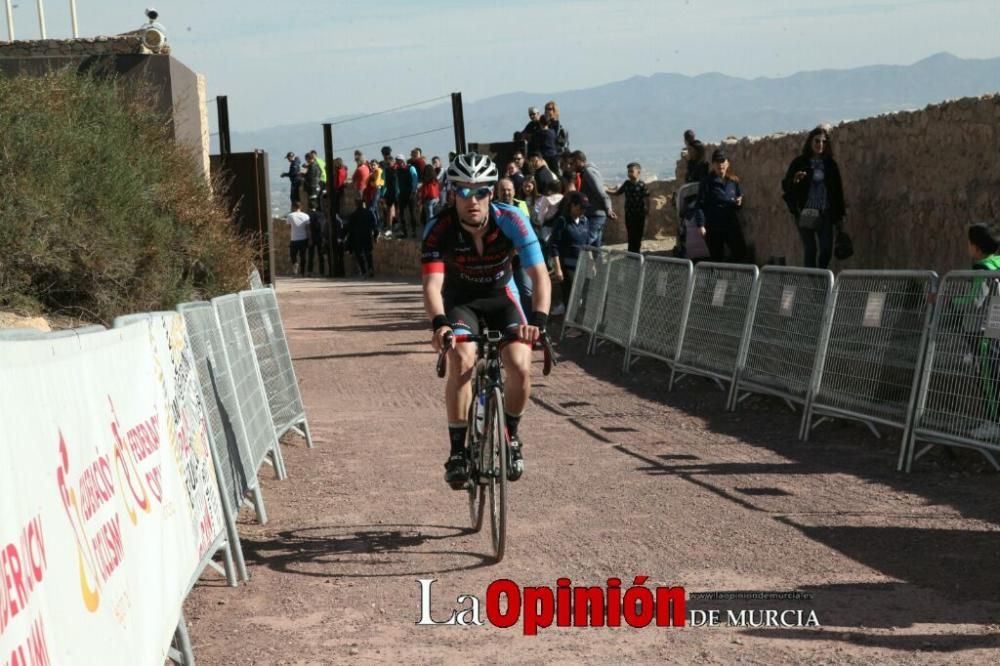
(622, 479)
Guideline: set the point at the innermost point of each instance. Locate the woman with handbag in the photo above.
(814, 194)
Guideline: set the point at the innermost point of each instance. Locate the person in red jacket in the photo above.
(429, 193)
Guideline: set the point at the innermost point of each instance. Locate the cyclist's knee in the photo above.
(462, 358)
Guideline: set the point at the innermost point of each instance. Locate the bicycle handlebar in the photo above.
(544, 343)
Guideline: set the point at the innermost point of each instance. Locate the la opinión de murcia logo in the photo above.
(567, 605)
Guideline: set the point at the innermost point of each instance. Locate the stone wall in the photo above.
(394, 257)
(76, 48)
(913, 181)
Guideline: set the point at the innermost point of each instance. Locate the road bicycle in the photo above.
(487, 444)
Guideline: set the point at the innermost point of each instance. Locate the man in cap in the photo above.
(294, 175)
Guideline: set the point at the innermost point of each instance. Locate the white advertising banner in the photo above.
(108, 496)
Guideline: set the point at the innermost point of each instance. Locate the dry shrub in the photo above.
(101, 212)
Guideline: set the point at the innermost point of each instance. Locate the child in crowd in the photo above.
(636, 206)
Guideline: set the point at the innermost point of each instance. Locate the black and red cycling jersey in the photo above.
(448, 248)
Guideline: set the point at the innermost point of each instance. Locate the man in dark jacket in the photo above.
(294, 175)
(314, 181)
(360, 232)
(599, 208)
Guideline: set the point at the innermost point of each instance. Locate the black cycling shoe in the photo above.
(456, 472)
(515, 466)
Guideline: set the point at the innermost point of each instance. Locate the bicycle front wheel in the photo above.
(495, 459)
(476, 491)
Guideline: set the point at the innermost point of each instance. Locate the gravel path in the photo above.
(623, 479)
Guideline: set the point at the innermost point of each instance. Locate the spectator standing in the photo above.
(314, 181)
(547, 206)
(360, 233)
(429, 193)
(697, 166)
(545, 145)
(982, 354)
(528, 133)
(294, 176)
(570, 234)
(515, 173)
(417, 160)
(388, 188)
(361, 172)
(717, 211)
(636, 206)
(814, 193)
(541, 171)
(555, 124)
(317, 242)
(407, 181)
(298, 245)
(531, 197)
(599, 208)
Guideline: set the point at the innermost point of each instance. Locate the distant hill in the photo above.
(643, 118)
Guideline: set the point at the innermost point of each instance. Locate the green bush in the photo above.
(101, 212)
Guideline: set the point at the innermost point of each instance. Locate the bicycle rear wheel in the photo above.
(495, 458)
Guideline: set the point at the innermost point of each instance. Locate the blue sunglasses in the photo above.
(469, 192)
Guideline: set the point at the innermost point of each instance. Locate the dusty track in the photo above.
(622, 479)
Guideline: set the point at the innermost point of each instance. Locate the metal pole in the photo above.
(458, 122)
(10, 21)
(222, 102)
(41, 18)
(72, 15)
(335, 260)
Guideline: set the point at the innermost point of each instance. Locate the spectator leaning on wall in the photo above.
(814, 193)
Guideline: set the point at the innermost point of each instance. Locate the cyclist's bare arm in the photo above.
(541, 298)
(434, 305)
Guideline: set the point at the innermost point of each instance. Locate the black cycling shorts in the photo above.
(499, 311)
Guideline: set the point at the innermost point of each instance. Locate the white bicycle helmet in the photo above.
(472, 169)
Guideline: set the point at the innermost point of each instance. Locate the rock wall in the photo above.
(93, 46)
(913, 181)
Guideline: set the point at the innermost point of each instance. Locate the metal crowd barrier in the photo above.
(586, 296)
(721, 309)
(233, 445)
(870, 357)
(230, 546)
(663, 309)
(253, 403)
(255, 280)
(623, 289)
(789, 318)
(270, 345)
(958, 401)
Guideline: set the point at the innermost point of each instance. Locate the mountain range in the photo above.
(643, 118)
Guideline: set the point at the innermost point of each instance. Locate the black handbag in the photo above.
(843, 248)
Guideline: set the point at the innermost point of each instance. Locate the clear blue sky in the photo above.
(306, 60)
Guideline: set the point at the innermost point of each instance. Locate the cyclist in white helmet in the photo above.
(466, 257)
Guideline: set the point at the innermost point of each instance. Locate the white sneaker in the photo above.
(987, 431)
(558, 310)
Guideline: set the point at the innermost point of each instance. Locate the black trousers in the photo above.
(317, 252)
(297, 250)
(722, 236)
(635, 226)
